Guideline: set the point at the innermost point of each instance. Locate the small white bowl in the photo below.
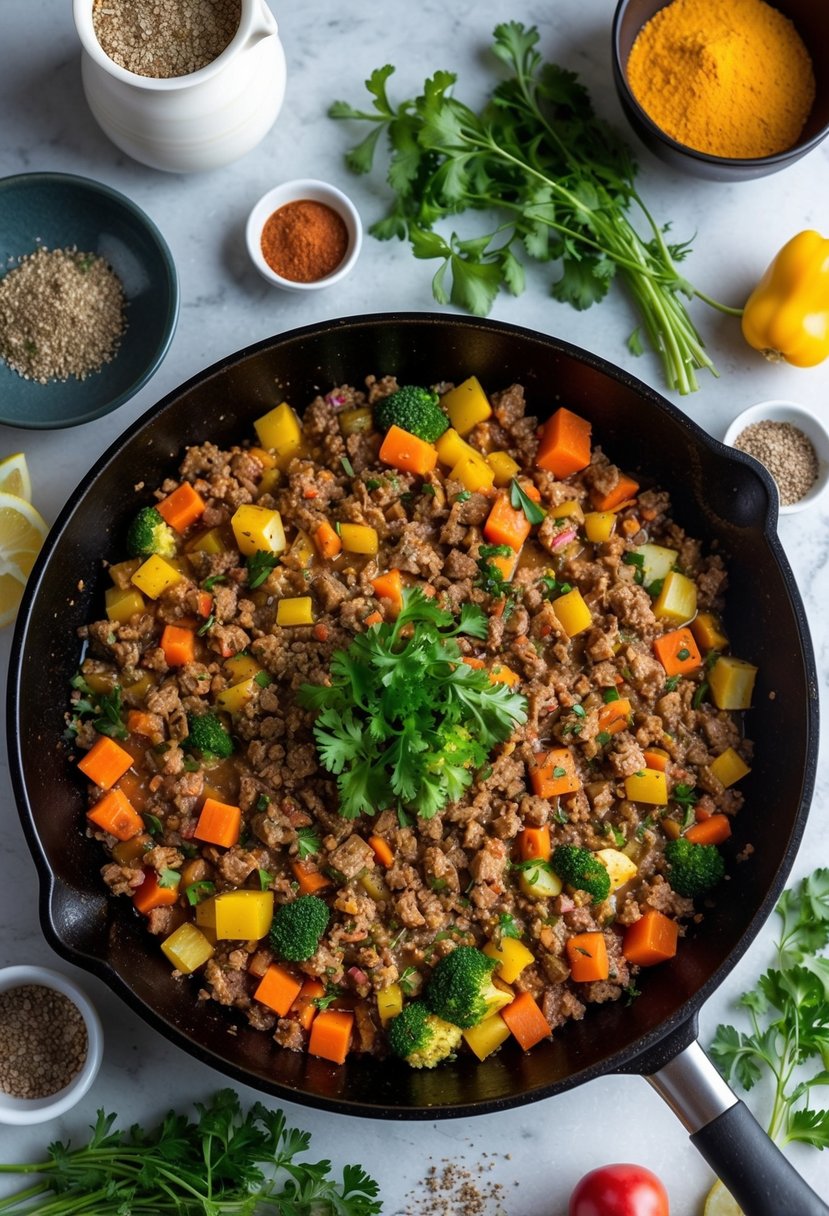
(38, 1110)
(292, 192)
(804, 420)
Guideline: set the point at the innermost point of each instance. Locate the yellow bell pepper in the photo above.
(466, 405)
(359, 538)
(122, 603)
(473, 472)
(241, 666)
(389, 1002)
(786, 317)
(732, 683)
(502, 465)
(154, 576)
(599, 525)
(187, 948)
(511, 955)
(243, 915)
(649, 786)
(729, 767)
(450, 448)
(233, 700)
(487, 1036)
(572, 612)
(295, 610)
(257, 528)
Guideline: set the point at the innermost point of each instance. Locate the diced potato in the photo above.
(568, 510)
(187, 948)
(302, 550)
(122, 603)
(466, 405)
(599, 525)
(473, 472)
(355, 421)
(487, 1036)
(295, 610)
(503, 466)
(539, 882)
(359, 538)
(241, 667)
(708, 632)
(732, 682)
(512, 957)
(677, 601)
(243, 915)
(650, 786)
(389, 1003)
(210, 541)
(279, 429)
(154, 576)
(572, 612)
(258, 528)
(620, 868)
(657, 562)
(450, 448)
(729, 767)
(233, 700)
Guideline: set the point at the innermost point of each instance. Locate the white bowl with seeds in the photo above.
(51, 1043)
(792, 443)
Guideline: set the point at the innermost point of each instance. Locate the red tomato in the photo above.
(619, 1190)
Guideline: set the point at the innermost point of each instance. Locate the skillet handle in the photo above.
(760, 1178)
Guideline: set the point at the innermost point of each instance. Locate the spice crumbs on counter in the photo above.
(455, 1189)
(43, 1041)
(164, 38)
(788, 454)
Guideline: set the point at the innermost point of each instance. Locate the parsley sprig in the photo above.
(404, 720)
(104, 708)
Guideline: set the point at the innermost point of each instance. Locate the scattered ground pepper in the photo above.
(163, 38)
(61, 315)
(43, 1041)
(304, 241)
(456, 1189)
(788, 454)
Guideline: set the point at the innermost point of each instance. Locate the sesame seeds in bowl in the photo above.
(792, 443)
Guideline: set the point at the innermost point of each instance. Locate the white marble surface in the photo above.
(540, 1150)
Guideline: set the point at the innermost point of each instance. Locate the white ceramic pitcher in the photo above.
(185, 124)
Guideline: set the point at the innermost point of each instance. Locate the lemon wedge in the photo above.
(14, 477)
(22, 532)
(720, 1202)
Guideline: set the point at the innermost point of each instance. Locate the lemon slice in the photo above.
(22, 532)
(14, 477)
(720, 1202)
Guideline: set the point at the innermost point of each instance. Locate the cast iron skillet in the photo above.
(718, 495)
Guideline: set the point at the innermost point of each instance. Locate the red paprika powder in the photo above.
(304, 241)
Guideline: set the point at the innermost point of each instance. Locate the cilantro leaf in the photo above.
(521, 501)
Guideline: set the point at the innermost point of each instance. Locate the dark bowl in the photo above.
(58, 211)
(812, 22)
(719, 495)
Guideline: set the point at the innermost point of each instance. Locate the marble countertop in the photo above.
(539, 1151)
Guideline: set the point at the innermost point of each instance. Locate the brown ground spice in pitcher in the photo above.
(304, 241)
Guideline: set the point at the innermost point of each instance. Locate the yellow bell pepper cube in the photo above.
(677, 601)
(359, 538)
(269, 481)
(572, 612)
(732, 682)
(450, 448)
(187, 948)
(295, 610)
(233, 700)
(503, 466)
(618, 865)
(122, 572)
(599, 525)
(708, 632)
(389, 1003)
(539, 882)
(487, 1036)
(122, 603)
(279, 429)
(257, 528)
(466, 405)
(135, 693)
(241, 667)
(568, 510)
(206, 915)
(657, 562)
(99, 682)
(211, 542)
(243, 915)
(473, 472)
(729, 767)
(511, 955)
(650, 785)
(154, 576)
(302, 551)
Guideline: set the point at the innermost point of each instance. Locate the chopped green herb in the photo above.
(373, 483)
(347, 466)
(210, 582)
(638, 561)
(685, 795)
(197, 891)
(152, 823)
(428, 489)
(671, 683)
(551, 587)
(406, 980)
(206, 627)
(521, 501)
(263, 802)
(700, 695)
(463, 495)
(265, 879)
(609, 695)
(560, 815)
(578, 710)
(558, 771)
(332, 992)
(259, 566)
(495, 551)
(646, 824)
(683, 654)
(308, 843)
(262, 678)
(169, 878)
(191, 765)
(507, 926)
(603, 737)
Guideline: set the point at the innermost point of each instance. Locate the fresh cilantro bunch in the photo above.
(560, 181)
(788, 1011)
(405, 721)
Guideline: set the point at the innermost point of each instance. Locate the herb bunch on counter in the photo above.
(562, 181)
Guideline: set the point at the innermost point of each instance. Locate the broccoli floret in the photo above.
(298, 926)
(580, 869)
(421, 1038)
(694, 868)
(148, 533)
(460, 989)
(414, 409)
(208, 736)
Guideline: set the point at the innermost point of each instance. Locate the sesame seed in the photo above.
(164, 38)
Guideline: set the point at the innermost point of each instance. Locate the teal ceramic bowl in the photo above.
(59, 210)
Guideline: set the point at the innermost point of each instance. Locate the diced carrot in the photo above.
(650, 940)
(373, 618)
(309, 878)
(407, 452)
(526, 1022)
(505, 565)
(266, 459)
(331, 1035)
(303, 1008)
(630, 526)
(151, 895)
(105, 762)
(327, 541)
(620, 496)
(678, 652)
(501, 674)
(141, 723)
(475, 664)
(179, 645)
(204, 603)
(656, 758)
(278, 989)
(506, 526)
(114, 813)
(310, 492)
(713, 830)
(534, 844)
(320, 632)
(389, 587)
(587, 955)
(613, 717)
(564, 447)
(219, 823)
(181, 508)
(382, 850)
(553, 773)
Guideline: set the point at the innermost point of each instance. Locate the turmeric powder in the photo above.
(727, 77)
